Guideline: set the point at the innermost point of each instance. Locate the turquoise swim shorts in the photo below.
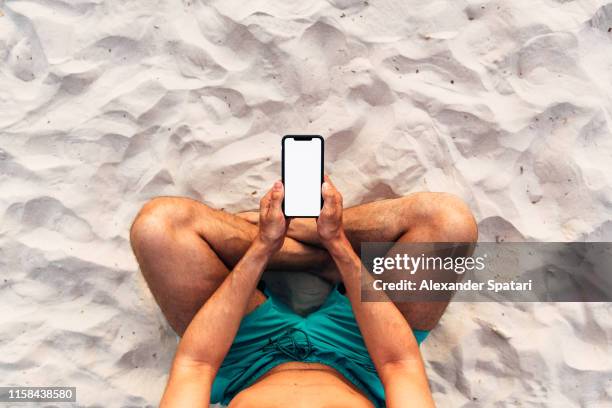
(273, 334)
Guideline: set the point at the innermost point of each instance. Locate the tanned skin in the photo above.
(210, 334)
(194, 249)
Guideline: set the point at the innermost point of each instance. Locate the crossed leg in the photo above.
(418, 218)
(185, 249)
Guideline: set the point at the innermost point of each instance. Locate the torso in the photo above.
(297, 384)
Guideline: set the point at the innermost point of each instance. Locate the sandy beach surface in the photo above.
(106, 104)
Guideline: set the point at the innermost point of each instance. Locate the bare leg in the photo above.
(419, 217)
(185, 250)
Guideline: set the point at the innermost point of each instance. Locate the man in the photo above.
(246, 348)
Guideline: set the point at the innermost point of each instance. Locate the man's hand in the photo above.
(272, 223)
(329, 223)
(210, 334)
(397, 358)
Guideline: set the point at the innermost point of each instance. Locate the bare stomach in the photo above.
(296, 384)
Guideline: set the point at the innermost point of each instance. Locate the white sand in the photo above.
(104, 105)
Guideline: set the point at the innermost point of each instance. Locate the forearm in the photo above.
(387, 335)
(211, 332)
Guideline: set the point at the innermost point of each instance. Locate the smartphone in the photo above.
(302, 168)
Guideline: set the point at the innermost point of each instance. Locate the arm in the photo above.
(387, 335)
(210, 334)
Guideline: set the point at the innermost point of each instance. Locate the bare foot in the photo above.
(300, 229)
(250, 216)
(303, 230)
(330, 273)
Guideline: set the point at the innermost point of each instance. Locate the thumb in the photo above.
(278, 192)
(327, 180)
(330, 196)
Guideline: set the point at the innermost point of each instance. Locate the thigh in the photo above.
(429, 217)
(416, 218)
(184, 249)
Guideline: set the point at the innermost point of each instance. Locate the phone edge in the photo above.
(283, 171)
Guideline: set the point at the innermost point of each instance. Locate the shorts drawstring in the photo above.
(290, 345)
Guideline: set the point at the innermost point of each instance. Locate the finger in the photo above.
(328, 180)
(278, 192)
(264, 204)
(331, 197)
(329, 185)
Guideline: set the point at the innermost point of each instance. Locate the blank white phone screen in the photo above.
(302, 166)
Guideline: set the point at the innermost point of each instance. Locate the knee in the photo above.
(447, 215)
(157, 219)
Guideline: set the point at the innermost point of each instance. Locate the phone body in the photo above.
(302, 173)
